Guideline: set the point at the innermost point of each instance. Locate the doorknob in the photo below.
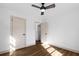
(45, 33)
(24, 34)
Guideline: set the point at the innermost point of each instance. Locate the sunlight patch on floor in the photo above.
(12, 45)
(56, 53)
(51, 50)
(45, 46)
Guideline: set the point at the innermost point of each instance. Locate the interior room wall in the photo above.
(5, 16)
(64, 26)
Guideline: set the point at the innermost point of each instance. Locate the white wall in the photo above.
(5, 14)
(62, 21)
(4, 29)
(64, 26)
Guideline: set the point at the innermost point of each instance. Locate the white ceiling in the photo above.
(26, 8)
(21, 7)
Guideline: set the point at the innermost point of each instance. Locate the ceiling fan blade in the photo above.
(35, 6)
(50, 6)
(42, 13)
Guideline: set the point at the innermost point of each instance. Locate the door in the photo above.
(44, 31)
(19, 31)
(38, 41)
(39, 32)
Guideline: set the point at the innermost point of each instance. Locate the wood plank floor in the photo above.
(41, 50)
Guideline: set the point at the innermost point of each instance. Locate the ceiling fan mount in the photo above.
(43, 8)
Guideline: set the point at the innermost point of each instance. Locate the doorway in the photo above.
(38, 40)
(41, 33)
(44, 32)
(18, 32)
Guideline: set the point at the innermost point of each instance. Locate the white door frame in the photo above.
(11, 28)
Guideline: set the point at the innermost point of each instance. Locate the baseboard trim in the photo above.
(75, 51)
(7, 51)
(2, 52)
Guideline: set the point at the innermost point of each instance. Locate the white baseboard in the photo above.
(4, 51)
(65, 48)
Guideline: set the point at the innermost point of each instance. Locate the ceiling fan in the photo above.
(43, 8)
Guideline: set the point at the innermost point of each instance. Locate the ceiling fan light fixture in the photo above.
(42, 10)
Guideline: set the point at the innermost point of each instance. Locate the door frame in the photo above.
(11, 27)
(36, 33)
(45, 33)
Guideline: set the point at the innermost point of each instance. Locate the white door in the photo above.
(44, 31)
(19, 31)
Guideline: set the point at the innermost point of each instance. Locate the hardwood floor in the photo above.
(41, 50)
